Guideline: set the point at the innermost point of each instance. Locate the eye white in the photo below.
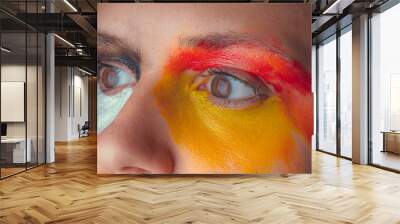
(238, 89)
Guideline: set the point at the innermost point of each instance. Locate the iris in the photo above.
(227, 86)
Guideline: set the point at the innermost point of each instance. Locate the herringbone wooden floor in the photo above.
(70, 191)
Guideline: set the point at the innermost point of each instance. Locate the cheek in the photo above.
(300, 107)
(212, 138)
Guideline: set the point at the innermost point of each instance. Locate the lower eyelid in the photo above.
(236, 104)
(115, 90)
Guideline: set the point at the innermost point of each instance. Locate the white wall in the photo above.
(16, 73)
(13, 73)
(33, 127)
(80, 110)
(61, 103)
(71, 94)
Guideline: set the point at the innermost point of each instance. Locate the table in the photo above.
(391, 141)
(13, 150)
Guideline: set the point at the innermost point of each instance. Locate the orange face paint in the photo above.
(270, 136)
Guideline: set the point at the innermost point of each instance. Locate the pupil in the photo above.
(221, 87)
(111, 79)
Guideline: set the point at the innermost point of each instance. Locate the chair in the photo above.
(84, 130)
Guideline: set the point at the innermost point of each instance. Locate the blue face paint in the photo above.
(108, 107)
(114, 87)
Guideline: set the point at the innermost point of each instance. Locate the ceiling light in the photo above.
(70, 5)
(65, 41)
(5, 50)
(337, 7)
(84, 71)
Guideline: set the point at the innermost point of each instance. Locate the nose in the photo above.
(137, 141)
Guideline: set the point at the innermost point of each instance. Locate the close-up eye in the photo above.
(234, 89)
(117, 74)
(228, 87)
(117, 80)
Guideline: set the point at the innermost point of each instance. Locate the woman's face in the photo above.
(204, 88)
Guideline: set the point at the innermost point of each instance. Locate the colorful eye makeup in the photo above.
(280, 75)
(269, 66)
(117, 78)
(229, 104)
(236, 109)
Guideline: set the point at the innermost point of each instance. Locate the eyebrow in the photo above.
(109, 40)
(219, 41)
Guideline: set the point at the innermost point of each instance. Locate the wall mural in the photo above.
(204, 88)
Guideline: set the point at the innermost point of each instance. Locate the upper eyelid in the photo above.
(117, 51)
(252, 81)
(126, 60)
(244, 76)
(111, 45)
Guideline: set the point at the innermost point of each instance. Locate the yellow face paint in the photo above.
(212, 138)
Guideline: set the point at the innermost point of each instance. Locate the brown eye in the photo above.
(109, 78)
(221, 87)
(232, 88)
(114, 77)
(227, 86)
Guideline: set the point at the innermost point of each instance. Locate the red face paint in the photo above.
(288, 78)
(270, 67)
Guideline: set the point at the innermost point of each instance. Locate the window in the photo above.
(346, 93)
(314, 90)
(22, 75)
(327, 95)
(385, 89)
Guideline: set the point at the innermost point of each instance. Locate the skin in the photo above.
(170, 124)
